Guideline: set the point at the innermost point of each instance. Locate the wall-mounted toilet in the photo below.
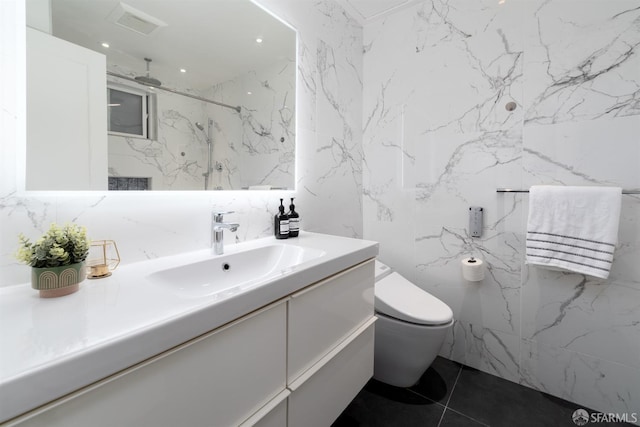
(410, 330)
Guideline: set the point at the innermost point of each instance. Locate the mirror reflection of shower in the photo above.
(207, 134)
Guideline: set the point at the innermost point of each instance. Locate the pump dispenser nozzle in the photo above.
(294, 220)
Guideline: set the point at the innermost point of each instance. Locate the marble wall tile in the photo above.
(334, 159)
(596, 383)
(142, 230)
(389, 187)
(469, 85)
(437, 76)
(306, 86)
(571, 311)
(495, 301)
(582, 66)
(467, 167)
(440, 21)
(461, 86)
(326, 208)
(625, 267)
(595, 152)
(495, 352)
(456, 171)
(28, 215)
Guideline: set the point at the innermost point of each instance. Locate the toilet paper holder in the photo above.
(472, 269)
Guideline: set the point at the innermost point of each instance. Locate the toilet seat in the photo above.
(395, 296)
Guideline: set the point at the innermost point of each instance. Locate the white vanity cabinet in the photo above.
(330, 345)
(326, 313)
(219, 379)
(318, 399)
(298, 362)
(330, 332)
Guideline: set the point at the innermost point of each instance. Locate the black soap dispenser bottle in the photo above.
(281, 223)
(294, 220)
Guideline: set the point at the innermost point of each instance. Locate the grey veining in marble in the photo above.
(438, 139)
(585, 64)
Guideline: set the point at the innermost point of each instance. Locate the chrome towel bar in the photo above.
(511, 190)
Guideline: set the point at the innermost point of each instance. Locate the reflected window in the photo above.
(131, 111)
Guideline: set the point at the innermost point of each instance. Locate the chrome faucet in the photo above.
(217, 230)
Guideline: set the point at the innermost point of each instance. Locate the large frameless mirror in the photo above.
(159, 95)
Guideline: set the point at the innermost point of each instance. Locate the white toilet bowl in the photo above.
(410, 330)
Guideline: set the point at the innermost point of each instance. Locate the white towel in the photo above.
(573, 228)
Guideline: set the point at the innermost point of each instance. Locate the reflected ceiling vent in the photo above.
(134, 19)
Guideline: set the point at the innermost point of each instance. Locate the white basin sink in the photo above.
(226, 275)
(149, 307)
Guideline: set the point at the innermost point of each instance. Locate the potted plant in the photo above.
(57, 259)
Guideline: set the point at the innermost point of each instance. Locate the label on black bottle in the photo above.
(294, 224)
(284, 226)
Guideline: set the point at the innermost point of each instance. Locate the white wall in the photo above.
(148, 225)
(438, 139)
(68, 118)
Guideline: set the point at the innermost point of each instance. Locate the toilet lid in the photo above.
(401, 299)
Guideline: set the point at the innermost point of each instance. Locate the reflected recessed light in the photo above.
(249, 93)
(113, 105)
(182, 70)
(105, 44)
(258, 40)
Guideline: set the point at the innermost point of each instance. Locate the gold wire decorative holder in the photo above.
(103, 259)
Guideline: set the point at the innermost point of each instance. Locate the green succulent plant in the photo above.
(58, 246)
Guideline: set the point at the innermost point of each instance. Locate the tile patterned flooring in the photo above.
(452, 395)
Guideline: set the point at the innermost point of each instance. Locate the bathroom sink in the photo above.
(225, 275)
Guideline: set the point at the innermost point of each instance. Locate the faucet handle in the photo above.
(217, 216)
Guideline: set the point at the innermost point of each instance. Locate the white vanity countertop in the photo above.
(51, 347)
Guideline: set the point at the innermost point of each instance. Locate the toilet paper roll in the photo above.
(472, 269)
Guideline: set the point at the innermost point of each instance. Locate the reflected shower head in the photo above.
(148, 80)
(206, 134)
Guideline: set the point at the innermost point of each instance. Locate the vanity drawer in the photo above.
(320, 395)
(214, 380)
(324, 314)
(273, 414)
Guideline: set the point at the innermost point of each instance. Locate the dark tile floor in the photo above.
(453, 395)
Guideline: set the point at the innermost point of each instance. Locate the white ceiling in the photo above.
(214, 40)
